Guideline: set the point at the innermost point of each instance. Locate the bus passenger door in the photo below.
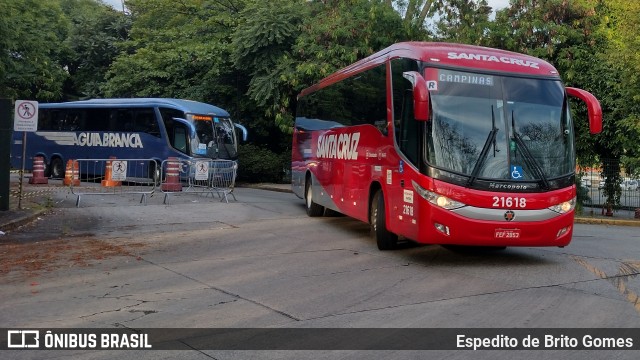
(407, 134)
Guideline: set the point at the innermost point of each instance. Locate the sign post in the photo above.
(6, 129)
(25, 119)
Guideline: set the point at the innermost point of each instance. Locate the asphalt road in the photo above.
(261, 262)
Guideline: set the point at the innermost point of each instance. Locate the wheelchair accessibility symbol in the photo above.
(516, 172)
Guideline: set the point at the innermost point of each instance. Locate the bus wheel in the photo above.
(57, 168)
(385, 239)
(313, 209)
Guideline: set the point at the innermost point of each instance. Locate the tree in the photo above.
(463, 21)
(623, 57)
(177, 49)
(287, 49)
(95, 32)
(415, 13)
(31, 47)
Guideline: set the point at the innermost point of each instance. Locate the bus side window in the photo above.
(146, 122)
(180, 136)
(167, 118)
(124, 120)
(405, 125)
(44, 120)
(96, 120)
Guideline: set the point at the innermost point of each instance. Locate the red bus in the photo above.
(443, 144)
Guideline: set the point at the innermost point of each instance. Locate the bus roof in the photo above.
(188, 106)
(460, 56)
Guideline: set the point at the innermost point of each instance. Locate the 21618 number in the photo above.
(509, 202)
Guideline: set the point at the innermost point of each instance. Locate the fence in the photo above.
(111, 177)
(143, 177)
(202, 176)
(593, 192)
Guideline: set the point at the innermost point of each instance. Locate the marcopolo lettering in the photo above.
(493, 58)
(338, 146)
(108, 140)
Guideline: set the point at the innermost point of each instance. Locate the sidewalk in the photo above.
(37, 200)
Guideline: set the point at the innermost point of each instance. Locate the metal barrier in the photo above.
(594, 192)
(199, 176)
(112, 177)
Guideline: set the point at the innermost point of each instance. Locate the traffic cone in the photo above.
(107, 182)
(172, 178)
(37, 175)
(71, 173)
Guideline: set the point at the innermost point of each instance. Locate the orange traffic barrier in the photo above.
(108, 175)
(172, 178)
(71, 174)
(37, 175)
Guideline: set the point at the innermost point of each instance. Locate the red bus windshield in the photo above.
(492, 127)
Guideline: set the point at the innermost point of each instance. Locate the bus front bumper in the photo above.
(449, 227)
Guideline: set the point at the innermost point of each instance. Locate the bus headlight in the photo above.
(564, 207)
(437, 199)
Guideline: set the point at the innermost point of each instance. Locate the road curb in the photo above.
(24, 218)
(282, 188)
(598, 221)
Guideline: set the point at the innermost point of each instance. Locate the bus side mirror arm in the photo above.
(420, 95)
(593, 108)
(244, 131)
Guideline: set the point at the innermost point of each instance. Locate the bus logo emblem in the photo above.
(509, 215)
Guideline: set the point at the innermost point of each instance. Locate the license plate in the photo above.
(507, 234)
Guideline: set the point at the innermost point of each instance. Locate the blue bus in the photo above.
(141, 128)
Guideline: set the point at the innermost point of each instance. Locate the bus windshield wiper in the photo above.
(529, 159)
(491, 139)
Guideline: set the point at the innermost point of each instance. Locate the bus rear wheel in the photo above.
(385, 239)
(57, 168)
(313, 209)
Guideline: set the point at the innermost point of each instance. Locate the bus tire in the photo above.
(385, 239)
(313, 209)
(57, 168)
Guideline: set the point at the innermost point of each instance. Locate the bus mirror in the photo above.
(192, 130)
(243, 129)
(593, 108)
(420, 95)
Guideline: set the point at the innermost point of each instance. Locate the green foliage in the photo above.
(463, 21)
(286, 48)
(582, 194)
(176, 49)
(258, 164)
(32, 33)
(95, 33)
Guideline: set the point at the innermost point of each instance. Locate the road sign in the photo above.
(202, 170)
(119, 170)
(25, 116)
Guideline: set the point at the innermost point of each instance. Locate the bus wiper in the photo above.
(529, 159)
(491, 139)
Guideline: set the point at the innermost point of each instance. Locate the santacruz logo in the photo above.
(493, 58)
(334, 146)
(108, 140)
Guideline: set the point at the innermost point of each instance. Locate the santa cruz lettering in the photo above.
(342, 146)
(493, 58)
(108, 140)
